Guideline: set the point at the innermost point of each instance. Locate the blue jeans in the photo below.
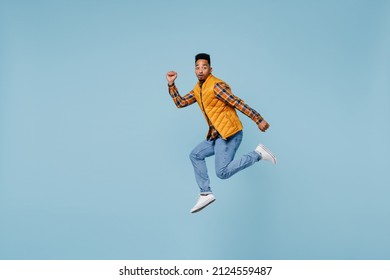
(225, 164)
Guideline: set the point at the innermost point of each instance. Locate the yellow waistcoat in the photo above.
(218, 114)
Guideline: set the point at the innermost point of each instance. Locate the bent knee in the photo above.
(221, 174)
(194, 156)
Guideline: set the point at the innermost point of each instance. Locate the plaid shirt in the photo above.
(222, 92)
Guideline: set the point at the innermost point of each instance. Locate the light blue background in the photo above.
(94, 154)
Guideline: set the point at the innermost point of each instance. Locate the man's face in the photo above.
(202, 69)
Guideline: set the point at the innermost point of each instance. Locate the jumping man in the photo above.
(218, 105)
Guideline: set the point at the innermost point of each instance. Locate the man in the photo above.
(218, 105)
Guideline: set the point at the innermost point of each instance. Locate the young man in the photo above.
(218, 105)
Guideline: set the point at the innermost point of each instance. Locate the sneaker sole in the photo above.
(203, 206)
(270, 153)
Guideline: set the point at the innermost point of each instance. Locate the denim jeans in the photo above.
(225, 164)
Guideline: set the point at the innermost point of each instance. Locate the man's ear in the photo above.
(211, 69)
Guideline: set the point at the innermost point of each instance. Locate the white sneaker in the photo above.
(265, 153)
(203, 201)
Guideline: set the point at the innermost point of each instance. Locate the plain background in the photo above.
(94, 154)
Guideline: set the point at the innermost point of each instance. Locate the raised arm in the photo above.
(180, 101)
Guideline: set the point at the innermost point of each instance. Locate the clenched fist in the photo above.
(171, 77)
(263, 125)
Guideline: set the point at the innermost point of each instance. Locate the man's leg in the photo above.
(197, 156)
(225, 164)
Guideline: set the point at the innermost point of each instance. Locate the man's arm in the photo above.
(180, 101)
(224, 93)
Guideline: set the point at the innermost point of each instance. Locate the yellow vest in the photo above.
(218, 114)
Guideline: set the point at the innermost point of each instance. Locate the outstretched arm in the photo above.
(223, 92)
(180, 101)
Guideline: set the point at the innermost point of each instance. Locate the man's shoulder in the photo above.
(216, 79)
(219, 82)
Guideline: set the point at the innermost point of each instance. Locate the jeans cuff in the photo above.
(204, 193)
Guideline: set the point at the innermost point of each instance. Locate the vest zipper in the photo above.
(204, 110)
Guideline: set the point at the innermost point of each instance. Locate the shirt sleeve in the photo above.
(223, 92)
(181, 101)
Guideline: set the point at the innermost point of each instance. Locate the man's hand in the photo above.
(263, 125)
(171, 77)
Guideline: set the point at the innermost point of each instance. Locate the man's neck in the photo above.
(203, 81)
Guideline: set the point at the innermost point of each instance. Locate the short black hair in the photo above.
(203, 56)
